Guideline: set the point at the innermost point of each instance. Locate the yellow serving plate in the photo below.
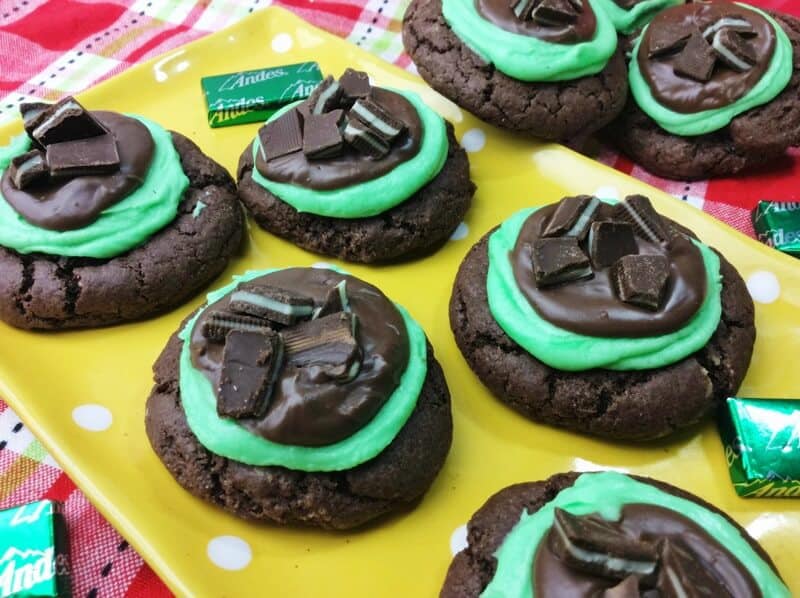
(46, 376)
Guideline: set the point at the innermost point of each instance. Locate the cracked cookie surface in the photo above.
(564, 111)
(625, 405)
(422, 222)
(334, 500)
(39, 291)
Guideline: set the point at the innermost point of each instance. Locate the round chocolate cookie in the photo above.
(474, 568)
(757, 136)
(561, 111)
(630, 405)
(420, 223)
(42, 291)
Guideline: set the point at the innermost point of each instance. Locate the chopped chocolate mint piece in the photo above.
(328, 342)
(66, 120)
(558, 260)
(335, 301)
(322, 135)
(219, 323)
(696, 60)
(362, 137)
(572, 217)
(578, 4)
(325, 96)
(609, 241)
(272, 303)
(355, 86)
(554, 13)
(377, 118)
(598, 547)
(32, 113)
(735, 23)
(668, 38)
(648, 224)
(627, 588)
(641, 279)
(683, 575)
(28, 169)
(250, 365)
(734, 50)
(522, 8)
(282, 136)
(83, 157)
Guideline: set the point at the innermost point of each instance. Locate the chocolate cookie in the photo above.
(40, 291)
(631, 405)
(563, 111)
(473, 568)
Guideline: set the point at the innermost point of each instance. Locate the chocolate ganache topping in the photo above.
(697, 57)
(650, 551)
(555, 21)
(345, 133)
(608, 270)
(80, 164)
(301, 356)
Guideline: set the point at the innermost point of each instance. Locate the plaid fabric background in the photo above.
(50, 48)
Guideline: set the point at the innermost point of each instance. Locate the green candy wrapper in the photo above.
(778, 225)
(254, 96)
(762, 446)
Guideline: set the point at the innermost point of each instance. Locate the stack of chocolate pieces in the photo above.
(265, 329)
(590, 545)
(67, 142)
(575, 244)
(337, 115)
(697, 52)
(548, 13)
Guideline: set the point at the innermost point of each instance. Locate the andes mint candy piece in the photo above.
(558, 260)
(598, 547)
(271, 303)
(219, 323)
(28, 169)
(668, 38)
(355, 86)
(696, 60)
(322, 135)
(735, 23)
(683, 575)
(609, 241)
(522, 8)
(83, 157)
(554, 13)
(362, 137)
(250, 365)
(281, 136)
(375, 116)
(325, 96)
(328, 343)
(572, 217)
(641, 279)
(648, 224)
(66, 120)
(32, 113)
(734, 50)
(627, 588)
(335, 301)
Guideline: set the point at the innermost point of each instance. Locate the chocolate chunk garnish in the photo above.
(83, 157)
(609, 241)
(362, 137)
(66, 120)
(558, 260)
(648, 224)
(32, 113)
(335, 301)
(250, 365)
(325, 96)
(522, 8)
(683, 575)
(355, 86)
(641, 279)
(328, 342)
(322, 135)
(272, 303)
(735, 23)
(375, 116)
(554, 13)
(219, 323)
(668, 38)
(572, 217)
(627, 588)
(28, 169)
(734, 50)
(696, 60)
(598, 547)
(282, 136)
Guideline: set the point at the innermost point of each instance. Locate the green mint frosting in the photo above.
(606, 493)
(569, 351)
(525, 57)
(120, 227)
(628, 21)
(688, 124)
(377, 195)
(227, 438)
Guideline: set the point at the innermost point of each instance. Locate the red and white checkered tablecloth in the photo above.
(50, 48)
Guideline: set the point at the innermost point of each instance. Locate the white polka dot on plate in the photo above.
(462, 230)
(607, 193)
(94, 418)
(282, 43)
(458, 539)
(322, 265)
(763, 286)
(473, 140)
(229, 552)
